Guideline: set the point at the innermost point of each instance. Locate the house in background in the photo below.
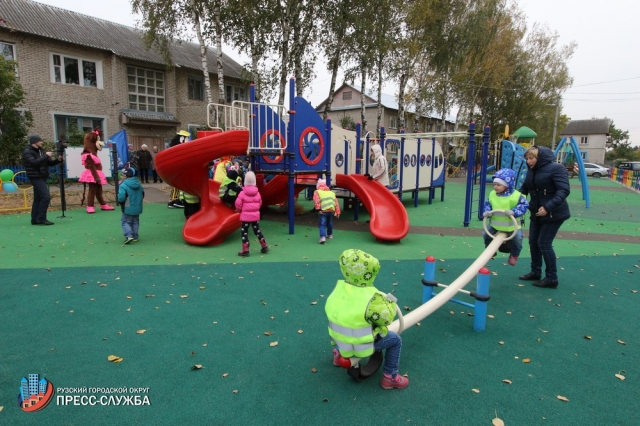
(85, 70)
(346, 103)
(592, 137)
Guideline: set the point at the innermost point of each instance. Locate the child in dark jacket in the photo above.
(248, 204)
(505, 197)
(130, 196)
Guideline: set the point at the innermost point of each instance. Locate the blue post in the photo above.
(291, 149)
(417, 187)
(429, 279)
(483, 170)
(482, 289)
(327, 152)
(471, 153)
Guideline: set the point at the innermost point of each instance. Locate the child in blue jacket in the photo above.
(505, 197)
(130, 196)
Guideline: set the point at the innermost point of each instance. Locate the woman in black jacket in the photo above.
(547, 183)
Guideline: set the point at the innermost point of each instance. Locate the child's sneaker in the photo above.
(513, 260)
(398, 382)
(322, 240)
(336, 358)
(128, 240)
(330, 237)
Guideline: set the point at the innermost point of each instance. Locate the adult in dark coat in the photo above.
(36, 164)
(144, 163)
(547, 183)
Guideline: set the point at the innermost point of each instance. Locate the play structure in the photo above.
(290, 148)
(432, 301)
(512, 157)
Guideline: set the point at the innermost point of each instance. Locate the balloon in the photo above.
(10, 187)
(6, 175)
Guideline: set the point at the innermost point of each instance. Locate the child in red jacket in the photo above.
(248, 204)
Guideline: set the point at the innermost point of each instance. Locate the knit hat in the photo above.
(130, 172)
(250, 179)
(359, 268)
(321, 182)
(500, 181)
(34, 139)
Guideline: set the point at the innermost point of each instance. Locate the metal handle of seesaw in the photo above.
(501, 213)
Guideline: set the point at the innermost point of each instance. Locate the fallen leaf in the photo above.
(225, 375)
(620, 376)
(68, 287)
(406, 308)
(507, 381)
(501, 342)
(562, 398)
(475, 390)
(313, 370)
(235, 391)
(314, 303)
(526, 360)
(184, 296)
(587, 337)
(497, 422)
(300, 332)
(490, 316)
(141, 331)
(621, 342)
(197, 367)
(1, 408)
(325, 399)
(268, 333)
(114, 358)
(272, 344)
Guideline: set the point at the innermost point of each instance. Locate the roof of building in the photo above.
(587, 127)
(136, 116)
(387, 101)
(30, 17)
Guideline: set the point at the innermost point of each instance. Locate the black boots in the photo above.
(546, 283)
(531, 276)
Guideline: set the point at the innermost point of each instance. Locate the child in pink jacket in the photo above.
(248, 204)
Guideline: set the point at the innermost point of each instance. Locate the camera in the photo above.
(61, 145)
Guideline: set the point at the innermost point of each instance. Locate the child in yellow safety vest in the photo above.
(359, 316)
(190, 202)
(505, 197)
(325, 202)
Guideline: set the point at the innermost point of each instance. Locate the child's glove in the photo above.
(487, 214)
(509, 213)
(370, 177)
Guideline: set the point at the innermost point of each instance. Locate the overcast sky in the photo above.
(605, 66)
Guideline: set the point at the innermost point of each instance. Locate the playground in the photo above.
(257, 327)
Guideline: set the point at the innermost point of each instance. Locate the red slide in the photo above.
(186, 167)
(277, 192)
(389, 219)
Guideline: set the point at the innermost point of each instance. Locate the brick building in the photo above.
(81, 69)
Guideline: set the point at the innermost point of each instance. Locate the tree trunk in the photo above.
(363, 76)
(218, 26)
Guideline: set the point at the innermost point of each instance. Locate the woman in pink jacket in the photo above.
(248, 204)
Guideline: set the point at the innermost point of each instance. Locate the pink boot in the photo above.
(90, 210)
(106, 207)
(245, 250)
(265, 247)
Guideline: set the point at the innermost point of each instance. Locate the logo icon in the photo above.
(35, 393)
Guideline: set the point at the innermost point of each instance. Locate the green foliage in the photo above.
(14, 124)
(75, 136)
(620, 148)
(347, 122)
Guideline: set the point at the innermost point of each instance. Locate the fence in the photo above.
(628, 178)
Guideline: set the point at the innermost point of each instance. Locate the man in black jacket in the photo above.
(36, 164)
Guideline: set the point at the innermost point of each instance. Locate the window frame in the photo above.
(14, 57)
(198, 79)
(80, 122)
(147, 75)
(234, 93)
(584, 140)
(81, 70)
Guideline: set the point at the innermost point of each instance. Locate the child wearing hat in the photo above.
(130, 196)
(248, 204)
(359, 315)
(505, 197)
(324, 200)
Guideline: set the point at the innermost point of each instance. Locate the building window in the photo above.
(584, 140)
(67, 127)
(346, 96)
(234, 93)
(76, 71)
(196, 88)
(393, 122)
(146, 89)
(8, 51)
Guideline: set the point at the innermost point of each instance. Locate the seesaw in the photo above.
(362, 372)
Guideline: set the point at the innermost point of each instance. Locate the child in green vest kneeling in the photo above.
(505, 197)
(359, 315)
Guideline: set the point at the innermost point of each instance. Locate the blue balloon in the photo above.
(9, 187)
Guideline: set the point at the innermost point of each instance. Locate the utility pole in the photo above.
(555, 126)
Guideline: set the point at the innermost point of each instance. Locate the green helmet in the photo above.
(359, 268)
